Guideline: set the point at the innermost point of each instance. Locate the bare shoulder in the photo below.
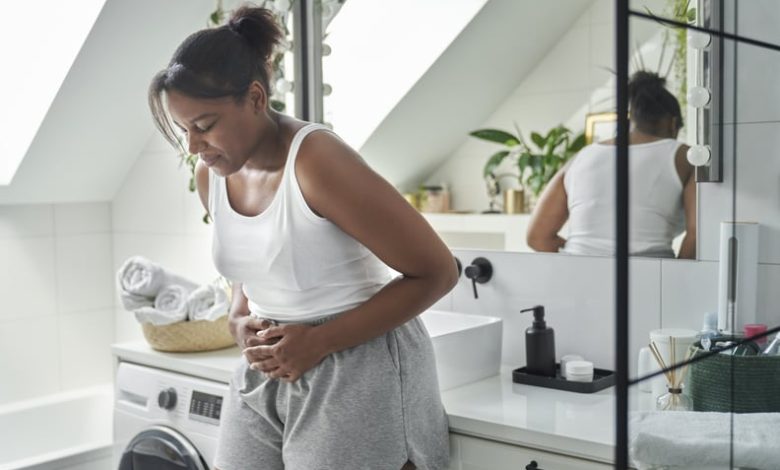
(202, 183)
(324, 155)
(334, 179)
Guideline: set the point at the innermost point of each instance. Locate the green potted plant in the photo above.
(535, 165)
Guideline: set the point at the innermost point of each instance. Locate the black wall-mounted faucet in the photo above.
(480, 271)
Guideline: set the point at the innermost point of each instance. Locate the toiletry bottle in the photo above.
(539, 345)
(774, 347)
(709, 330)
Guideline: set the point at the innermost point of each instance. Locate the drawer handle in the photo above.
(533, 466)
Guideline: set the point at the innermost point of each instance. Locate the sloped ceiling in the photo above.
(99, 120)
(484, 64)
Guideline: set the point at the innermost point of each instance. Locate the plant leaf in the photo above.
(493, 162)
(496, 135)
(538, 139)
(691, 15)
(578, 143)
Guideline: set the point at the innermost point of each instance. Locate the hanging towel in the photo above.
(140, 281)
(699, 440)
(207, 302)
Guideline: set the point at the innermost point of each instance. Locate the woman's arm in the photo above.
(339, 186)
(688, 245)
(549, 215)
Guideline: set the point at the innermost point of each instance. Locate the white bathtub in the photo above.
(68, 430)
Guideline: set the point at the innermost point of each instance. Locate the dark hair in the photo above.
(218, 62)
(650, 101)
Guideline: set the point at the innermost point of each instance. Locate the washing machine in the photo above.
(165, 420)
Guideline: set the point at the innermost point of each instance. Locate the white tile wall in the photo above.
(85, 353)
(27, 281)
(758, 19)
(689, 289)
(758, 190)
(84, 218)
(26, 221)
(151, 199)
(57, 290)
(29, 357)
(578, 295)
(84, 280)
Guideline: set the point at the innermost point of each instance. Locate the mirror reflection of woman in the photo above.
(662, 187)
(339, 371)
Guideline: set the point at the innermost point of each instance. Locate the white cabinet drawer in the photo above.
(471, 453)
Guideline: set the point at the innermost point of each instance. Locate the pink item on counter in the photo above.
(752, 329)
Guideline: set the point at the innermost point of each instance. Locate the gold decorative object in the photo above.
(514, 201)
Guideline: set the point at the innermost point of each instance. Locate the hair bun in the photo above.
(258, 26)
(236, 25)
(644, 78)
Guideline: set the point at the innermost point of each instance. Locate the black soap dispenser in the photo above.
(539, 345)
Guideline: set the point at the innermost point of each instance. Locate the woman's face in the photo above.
(222, 132)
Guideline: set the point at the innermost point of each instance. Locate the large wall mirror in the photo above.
(733, 362)
(434, 72)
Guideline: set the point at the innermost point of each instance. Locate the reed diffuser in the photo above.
(673, 399)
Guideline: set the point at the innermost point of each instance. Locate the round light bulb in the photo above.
(699, 96)
(284, 86)
(698, 39)
(326, 89)
(326, 50)
(699, 155)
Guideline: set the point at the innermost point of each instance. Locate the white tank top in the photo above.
(656, 210)
(294, 264)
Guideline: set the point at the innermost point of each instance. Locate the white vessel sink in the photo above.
(467, 347)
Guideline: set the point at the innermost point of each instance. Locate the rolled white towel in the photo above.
(699, 440)
(170, 306)
(139, 281)
(207, 302)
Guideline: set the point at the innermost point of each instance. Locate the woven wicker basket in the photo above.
(189, 336)
(756, 383)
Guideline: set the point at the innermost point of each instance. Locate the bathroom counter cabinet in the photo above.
(471, 453)
(511, 424)
(495, 424)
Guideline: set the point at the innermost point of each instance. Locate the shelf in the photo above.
(504, 232)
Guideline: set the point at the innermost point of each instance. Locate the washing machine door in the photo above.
(161, 448)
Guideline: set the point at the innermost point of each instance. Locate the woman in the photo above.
(339, 370)
(662, 187)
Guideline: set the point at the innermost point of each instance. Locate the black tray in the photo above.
(602, 378)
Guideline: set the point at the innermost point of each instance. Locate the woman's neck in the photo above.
(270, 153)
(650, 132)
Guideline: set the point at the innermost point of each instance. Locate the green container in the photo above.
(756, 383)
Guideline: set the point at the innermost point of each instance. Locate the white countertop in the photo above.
(576, 424)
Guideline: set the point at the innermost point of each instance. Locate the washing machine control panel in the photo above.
(205, 407)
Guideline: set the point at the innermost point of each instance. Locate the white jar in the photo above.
(579, 371)
(566, 359)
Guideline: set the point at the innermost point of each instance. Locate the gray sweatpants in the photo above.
(370, 407)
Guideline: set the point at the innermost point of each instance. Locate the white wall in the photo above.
(156, 216)
(757, 125)
(56, 322)
(578, 294)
